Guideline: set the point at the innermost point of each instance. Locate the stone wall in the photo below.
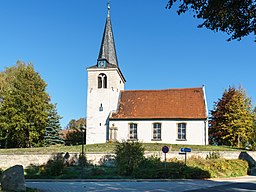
(7, 161)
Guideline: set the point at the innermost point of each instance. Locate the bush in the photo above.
(220, 167)
(55, 166)
(96, 171)
(153, 168)
(213, 155)
(128, 156)
(32, 171)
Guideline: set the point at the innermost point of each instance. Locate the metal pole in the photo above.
(185, 158)
(83, 129)
(165, 160)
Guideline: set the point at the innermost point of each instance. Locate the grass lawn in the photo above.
(109, 147)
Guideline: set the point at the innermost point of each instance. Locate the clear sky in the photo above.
(156, 49)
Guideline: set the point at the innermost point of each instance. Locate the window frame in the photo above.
(181, 131)
(132, 132)
(156, 131)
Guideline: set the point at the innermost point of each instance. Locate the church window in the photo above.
(156, 131)
(133, 131)
(102, 81)
(182, 131)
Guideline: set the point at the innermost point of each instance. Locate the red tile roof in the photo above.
(162, 104)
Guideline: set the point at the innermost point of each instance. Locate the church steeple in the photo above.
(107, 49)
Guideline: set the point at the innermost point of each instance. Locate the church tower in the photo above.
(105, 81)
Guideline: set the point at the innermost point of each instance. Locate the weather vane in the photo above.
(108, 8)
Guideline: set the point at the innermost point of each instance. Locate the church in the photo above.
(175, 116)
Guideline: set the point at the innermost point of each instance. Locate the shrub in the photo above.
(213, 155)
(32, 171)
(220, 167)
(128, 156)
(55, 166)
(96, 171)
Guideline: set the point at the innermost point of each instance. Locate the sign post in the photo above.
(184, 151)
(165, 150)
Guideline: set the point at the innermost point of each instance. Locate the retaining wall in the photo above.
(10, 160)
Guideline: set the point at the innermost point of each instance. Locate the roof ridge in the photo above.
(146, 90)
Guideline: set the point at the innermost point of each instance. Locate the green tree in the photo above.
(237, 18)
(52, 131)
(129, 155)
(25, 106)
(73, 134)
(76, 124)
(232, 119)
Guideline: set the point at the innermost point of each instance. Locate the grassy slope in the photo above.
(108, 148)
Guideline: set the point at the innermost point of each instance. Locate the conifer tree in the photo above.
(232, 119)
(52, 131)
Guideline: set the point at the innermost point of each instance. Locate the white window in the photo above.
(181, 131)
(133, 131)
(156, 131)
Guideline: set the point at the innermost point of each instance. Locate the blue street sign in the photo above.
(186, 150)
(165, 149)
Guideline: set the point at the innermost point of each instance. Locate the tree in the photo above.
(231, 120)
(25, 106)
(52, 131)
(237, 18)
(73, 134)
(76, 124)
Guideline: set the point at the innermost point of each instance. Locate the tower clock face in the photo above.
(101, 63)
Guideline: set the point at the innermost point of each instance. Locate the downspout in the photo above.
(206, 114)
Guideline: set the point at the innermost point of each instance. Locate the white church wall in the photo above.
(195, 131)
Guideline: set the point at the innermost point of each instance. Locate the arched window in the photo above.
(102, 81)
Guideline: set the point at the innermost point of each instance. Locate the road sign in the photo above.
(186, 150)
(165, 149)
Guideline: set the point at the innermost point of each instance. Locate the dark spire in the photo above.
(107, 48)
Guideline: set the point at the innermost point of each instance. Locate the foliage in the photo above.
(76, 124)
(153, 168)
(231, 119)
(24, 108)
(213, 155)
(129, 154)
(148, 168)
(74, 135)
(237, 18)
(220, 167)
(52, 136)
(54, 167)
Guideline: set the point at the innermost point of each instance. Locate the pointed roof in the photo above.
(107, 48)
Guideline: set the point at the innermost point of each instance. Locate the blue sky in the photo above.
(156, 49)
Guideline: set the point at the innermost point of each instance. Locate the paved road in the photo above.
(145, 186)
(233, 187)
(174, 186)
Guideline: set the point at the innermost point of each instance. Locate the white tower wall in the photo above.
(97, 121)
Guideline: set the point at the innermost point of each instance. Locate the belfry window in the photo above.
(102, 81)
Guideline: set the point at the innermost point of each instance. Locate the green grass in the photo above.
(108, 148)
